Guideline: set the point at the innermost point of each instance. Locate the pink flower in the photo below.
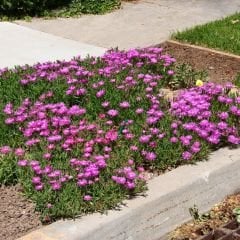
(139, 111)
(119, 180)
(233, 139)
(87, 198)
(54, 138)
(161, 135)
(144, 138)
(141, 169)
(100, 93)
(195, 149)
(130, 185)
(82, 182)
(223, 115)
(49, 205)
(24, 81)
(129, 136)
(130, 162)
(101, 115)
(47, 155)
(174, 125)
(111, 135)
(19, 152)
(173, 140)
(36, 180)
(112, 113)
(51, 147)
(22, 163)
(8, 109)
(76, 111)
(32, 142)
(186, 155)
(105, 104)
(150, 156)
(56, 186)
(81, 91)
(153, 144)
(39, 187)
(134, 148)
(5, 149)
(9, 120)
(107, 149)
(170, 72)
(124, 104)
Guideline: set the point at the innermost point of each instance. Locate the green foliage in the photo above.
(8, 170)
(236, 212)
(194, 212)
(21, 8)
(94, 6)
(186, 76)
(28, 7)
(237, 80)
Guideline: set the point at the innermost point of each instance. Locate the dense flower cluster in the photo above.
(105, 121)
(213, 125)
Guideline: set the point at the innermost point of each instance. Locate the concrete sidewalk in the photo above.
(20, 45)
(138, 24)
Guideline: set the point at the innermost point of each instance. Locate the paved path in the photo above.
(20, 45)
(140, 24)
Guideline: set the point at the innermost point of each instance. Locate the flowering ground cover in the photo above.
(80, 135)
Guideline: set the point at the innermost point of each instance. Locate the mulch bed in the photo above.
(17, 215)
(220, 68)
(209, 224)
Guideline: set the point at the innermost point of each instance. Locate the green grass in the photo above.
(222, 34)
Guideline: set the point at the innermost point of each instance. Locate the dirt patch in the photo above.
(218, 216)
(17, 215)
(220, 68)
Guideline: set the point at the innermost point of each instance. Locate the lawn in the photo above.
(81, 135)
(222, 34)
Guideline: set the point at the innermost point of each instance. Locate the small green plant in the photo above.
(185, 76)
(194, 212)
(236, 212)
(237, 80)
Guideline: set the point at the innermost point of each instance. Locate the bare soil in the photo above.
(17, 215)
(220, 68)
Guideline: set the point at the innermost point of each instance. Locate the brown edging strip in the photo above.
(203, 48)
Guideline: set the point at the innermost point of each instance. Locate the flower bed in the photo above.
(81, 135)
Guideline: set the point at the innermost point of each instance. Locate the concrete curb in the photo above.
(167, 205)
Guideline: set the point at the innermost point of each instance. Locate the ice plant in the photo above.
(82, 130)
